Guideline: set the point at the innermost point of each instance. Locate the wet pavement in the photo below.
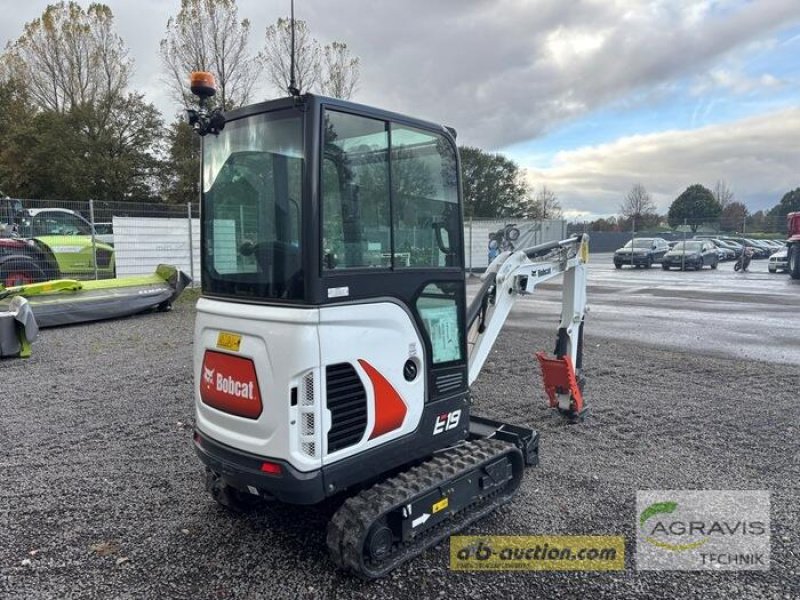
(755, 315)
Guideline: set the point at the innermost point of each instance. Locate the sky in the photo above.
(589, 96)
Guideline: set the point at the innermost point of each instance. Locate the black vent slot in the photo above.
(347, 401)
(449, 383)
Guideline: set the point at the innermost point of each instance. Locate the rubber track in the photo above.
(347, 530)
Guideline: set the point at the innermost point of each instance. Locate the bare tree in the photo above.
(70, 57)
(547, 204)
(207, 35)
(722, 193)
(277, 56)
(637, 204)
(332, 69)
(342, 71)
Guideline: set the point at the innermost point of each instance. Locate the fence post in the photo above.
(191, 243)
(94, 240)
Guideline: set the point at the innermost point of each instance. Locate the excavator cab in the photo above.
(311, 201)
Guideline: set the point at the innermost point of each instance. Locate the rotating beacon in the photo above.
(334, 344)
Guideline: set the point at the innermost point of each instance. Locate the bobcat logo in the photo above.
(208, 375)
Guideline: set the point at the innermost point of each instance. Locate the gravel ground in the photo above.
(101, 495)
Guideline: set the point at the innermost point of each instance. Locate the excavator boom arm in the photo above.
(515, 274)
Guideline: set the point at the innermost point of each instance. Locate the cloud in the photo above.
(735, 81)
(499, 72)
(504, 72)
(756, 156)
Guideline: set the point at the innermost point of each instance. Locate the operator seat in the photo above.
(284, 261)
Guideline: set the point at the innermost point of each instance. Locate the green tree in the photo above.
(42, 158)
(789, 203)
(83, 154)
(760, 221)
(73, 132)
(599, 224)
(120, 154)
(181, 169)
(694, 207)
(494, 185)
(17, 111)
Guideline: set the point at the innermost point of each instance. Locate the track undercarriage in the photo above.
(395, 520)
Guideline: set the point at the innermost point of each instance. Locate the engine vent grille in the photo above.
(307, 419)
(449, 383)
(347, 401)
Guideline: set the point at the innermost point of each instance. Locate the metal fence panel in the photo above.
(479, 232)
(142, 243)
(96, 240)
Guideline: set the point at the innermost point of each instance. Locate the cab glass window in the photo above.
(355, 193)
(438, 307)
(252, 196)
(425, 199)
(58, 223)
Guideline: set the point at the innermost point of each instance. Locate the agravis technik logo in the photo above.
(703, 530)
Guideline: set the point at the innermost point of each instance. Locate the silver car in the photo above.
(779, 261)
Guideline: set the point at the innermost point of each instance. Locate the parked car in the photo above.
(694, 254)
(759, 250)
(724, 253)
(768, 249)
(777, 244)
(641, 252)
(779, 261)
(67, 237)
(734, 248)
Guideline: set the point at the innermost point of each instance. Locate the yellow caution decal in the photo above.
(229, 341)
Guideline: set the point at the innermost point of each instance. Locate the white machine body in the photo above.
(289, 350)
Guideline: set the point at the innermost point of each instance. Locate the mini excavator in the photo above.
(334, 343)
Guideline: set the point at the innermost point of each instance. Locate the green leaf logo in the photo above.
(657, 509)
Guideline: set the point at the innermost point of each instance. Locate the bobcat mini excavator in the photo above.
(334, 345)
